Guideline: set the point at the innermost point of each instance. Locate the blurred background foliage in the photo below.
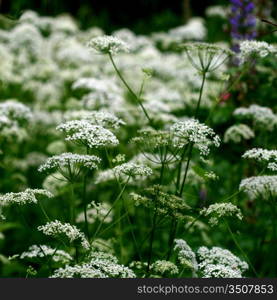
(141, 16)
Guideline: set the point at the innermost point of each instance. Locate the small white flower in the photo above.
(193, 30)
(100, 211)
(268, 157)
(237, 133)
(220, 271)
(262, 117)
(217, 11)
(185, 255)
(71, 162)
(255, 49)
(42, 251)
(108, 45)
(218, 262)
(21, 198)
(132, 170)
(15, 111)
(56, 228)
(191, 131)
(164, 267)
(257, 187)
(83, 132)
(100, 265)
(102, 118)
(219, 210)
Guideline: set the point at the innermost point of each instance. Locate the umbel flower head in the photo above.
(206, 57)
(130, 169)
(221, 210)
(87, 134)
(44, 251)
(264, 156)
(186, 256)
(126, 172)
(237, 133)
(21, 198)
(71, 232)
(262, 117)
(108, 45)
(95, 212)
(15, 111)
(102, 118)
(164, 268)
(70, 164)
(99, 265)
(157, 142)
(165, 203)
(255, 49)
(191, 131)
(218, 262)
(263, 187)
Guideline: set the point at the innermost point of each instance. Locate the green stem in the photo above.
(85, 205)
(44, 212)
(200, 94)
(152, 239)
(186, 170)
(180, 167)
(109, 211)
(172, 234)
(154, 221)
(72, 204)
(240, 249)
(174, 223)
(132, 231)
(130, 90)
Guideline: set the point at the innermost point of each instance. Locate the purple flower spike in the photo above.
(249, 7)
(242, 20)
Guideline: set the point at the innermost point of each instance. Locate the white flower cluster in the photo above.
(13, 115)
(217, 11)
(262, 117)
(237, 133)
(163, 268)
(93, 136)
(56, 228)
(21, 198)
(220, 210)
(78, 271)
(263, 156)
(109, 265)
(193, 30)
(15, 110)
(108, 44)
(102, 118)
(191, 131)
(96, 85)
(124, 172)
(186, 256)
(101, 265)
(132, 170)
(26, 36)
(218, 262)
(263, 187)
(97, 212)
(70, 161)
(220, 271)
(43, 251)
(250, 49)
